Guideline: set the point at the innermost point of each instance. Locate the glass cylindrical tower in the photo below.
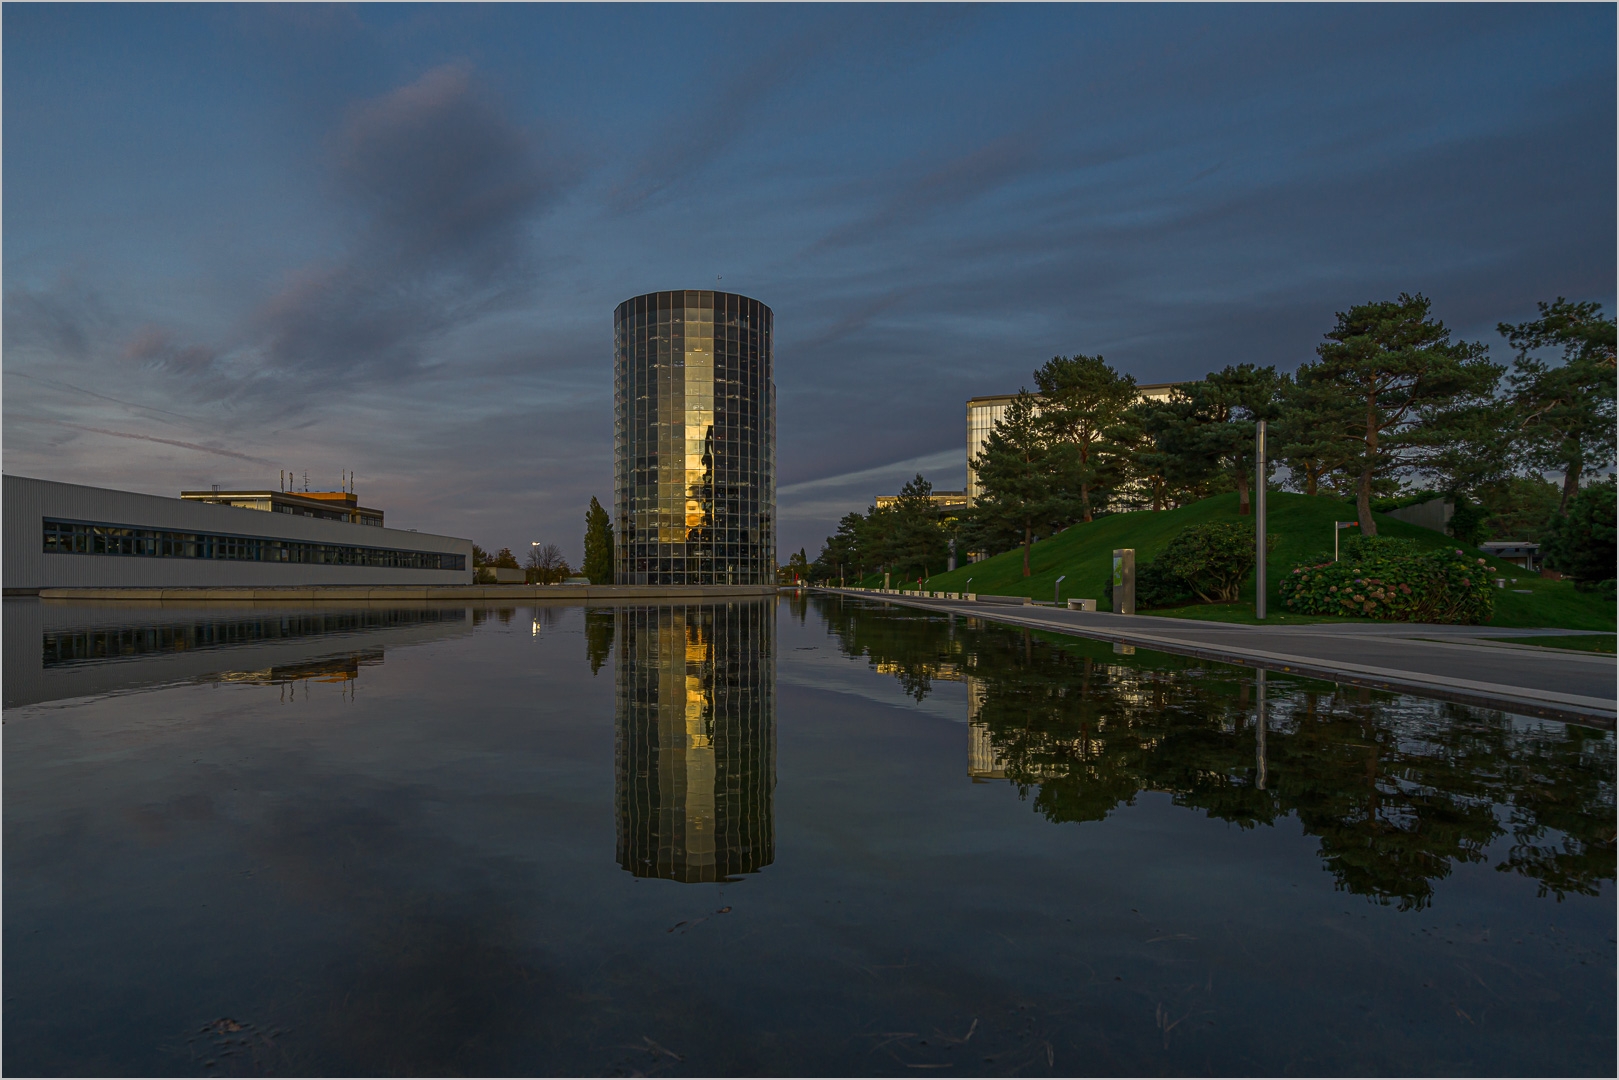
(694, 440)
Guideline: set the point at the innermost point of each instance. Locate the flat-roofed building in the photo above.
(71, 536)
(941, 500)
(983, 413)
(325, 505)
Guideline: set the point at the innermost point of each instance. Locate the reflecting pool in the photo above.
(799, 836)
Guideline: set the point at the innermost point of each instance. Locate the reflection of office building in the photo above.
(55, 651)
(984, 761)
(983, 413)
(696, 740)
(694, 440)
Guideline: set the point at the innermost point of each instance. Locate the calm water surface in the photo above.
(801, 837)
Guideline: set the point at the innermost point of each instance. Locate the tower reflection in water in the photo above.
(696, 740)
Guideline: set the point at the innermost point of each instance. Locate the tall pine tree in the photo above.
(1389, 383)
(1082, 402)
(598, 544)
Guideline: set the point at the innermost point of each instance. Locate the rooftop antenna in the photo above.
(306, 481)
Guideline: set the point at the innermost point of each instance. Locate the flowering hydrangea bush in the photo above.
(1434, 586)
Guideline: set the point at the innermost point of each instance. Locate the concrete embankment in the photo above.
(574, 593)
(1449, 662)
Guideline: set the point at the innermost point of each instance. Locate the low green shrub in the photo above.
(1202, 564)
(1356, 546)
(1158, 586)
(1582, 545)
(1438, 587)
(1469, 522)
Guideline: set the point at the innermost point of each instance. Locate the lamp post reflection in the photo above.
(696, 740)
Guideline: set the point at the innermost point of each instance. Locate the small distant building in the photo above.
(983, 413)
(1517, 552)
(941, 500)
(324, 505)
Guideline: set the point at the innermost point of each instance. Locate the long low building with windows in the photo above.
(67, 535)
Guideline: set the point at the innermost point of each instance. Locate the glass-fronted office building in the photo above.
(694, 439)
(983, 413)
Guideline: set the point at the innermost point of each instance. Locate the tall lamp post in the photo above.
(1259, 520)
(1056, 591)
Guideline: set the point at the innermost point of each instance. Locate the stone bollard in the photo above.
(1081, 605)
(970, 596)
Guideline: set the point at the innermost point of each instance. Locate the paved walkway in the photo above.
(1450, 662)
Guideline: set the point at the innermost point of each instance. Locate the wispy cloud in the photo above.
(828, 498)
(199, 447)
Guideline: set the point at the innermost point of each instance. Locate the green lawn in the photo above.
(1302, 525)
(1603, 643)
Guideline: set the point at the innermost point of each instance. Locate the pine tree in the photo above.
(1082, 402)
(1029, 480)
(1389, 382)
(598, 544)
(1566, 413)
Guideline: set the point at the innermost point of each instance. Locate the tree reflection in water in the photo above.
(1396, 789)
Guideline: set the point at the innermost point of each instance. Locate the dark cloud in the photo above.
(63, 321)
(695, 140)
(446, 188)
(154, 347)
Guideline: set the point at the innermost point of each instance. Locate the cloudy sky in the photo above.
(390, 240)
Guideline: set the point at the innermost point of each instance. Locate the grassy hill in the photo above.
(1302, 525)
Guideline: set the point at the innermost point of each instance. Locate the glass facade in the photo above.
(694, 439)
(982, 416)
(983, 413)
(696, 740)
(92, 538)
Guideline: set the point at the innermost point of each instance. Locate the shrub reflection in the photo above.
(1397, 790)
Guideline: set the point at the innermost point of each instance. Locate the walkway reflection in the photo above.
(696, 739)
(1397, 790)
